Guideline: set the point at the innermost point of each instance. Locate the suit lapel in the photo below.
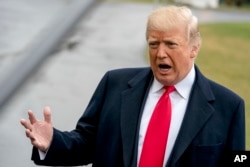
(131, 105)
(197, 114)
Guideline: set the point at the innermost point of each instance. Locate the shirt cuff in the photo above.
(42, 154)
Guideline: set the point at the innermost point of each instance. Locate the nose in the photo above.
(161, 53)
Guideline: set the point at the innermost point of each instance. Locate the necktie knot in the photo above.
(169, 89)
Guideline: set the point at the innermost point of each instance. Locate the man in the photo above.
(206, 120)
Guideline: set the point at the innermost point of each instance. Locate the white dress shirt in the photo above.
(179, 101)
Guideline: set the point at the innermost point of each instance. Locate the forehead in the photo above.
(171, 34)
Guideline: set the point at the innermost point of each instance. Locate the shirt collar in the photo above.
(183, 87)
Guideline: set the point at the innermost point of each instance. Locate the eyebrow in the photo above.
(152, 39)
(164, 40)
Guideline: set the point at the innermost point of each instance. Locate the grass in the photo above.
(224, 57)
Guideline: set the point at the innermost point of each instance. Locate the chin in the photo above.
(165, 80)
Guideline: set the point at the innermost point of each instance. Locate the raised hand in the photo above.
(39, 132)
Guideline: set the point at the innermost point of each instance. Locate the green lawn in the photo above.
(225, 58)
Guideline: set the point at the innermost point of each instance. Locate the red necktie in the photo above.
(153, 150)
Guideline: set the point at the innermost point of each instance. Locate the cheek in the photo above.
(152, 52)
(181, 62)
(152, 56)
(183, 67)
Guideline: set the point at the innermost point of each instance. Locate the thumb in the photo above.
(47, 114)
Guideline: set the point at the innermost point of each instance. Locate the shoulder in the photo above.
(121, 79)
(128, 73)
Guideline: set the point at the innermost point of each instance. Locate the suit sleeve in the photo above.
(77, 146)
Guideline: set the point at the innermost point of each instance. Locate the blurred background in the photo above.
(48, 47)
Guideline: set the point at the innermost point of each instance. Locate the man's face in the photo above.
(171, 56)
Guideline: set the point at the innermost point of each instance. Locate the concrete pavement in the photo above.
(21, 23)
(23, 50)
(112, 35)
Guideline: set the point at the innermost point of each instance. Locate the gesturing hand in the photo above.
(39, 132)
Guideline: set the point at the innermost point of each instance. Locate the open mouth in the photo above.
(164, 66)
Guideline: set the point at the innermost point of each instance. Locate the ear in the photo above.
(195, 50)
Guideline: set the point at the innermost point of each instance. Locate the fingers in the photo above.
(32, 117)
(26, 124)
(29, 134)
(47, 114)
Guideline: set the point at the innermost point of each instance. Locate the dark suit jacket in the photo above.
(107, 133)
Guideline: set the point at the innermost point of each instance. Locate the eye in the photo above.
(153, 45)
(171, 44)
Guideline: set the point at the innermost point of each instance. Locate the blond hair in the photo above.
(165, 18)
